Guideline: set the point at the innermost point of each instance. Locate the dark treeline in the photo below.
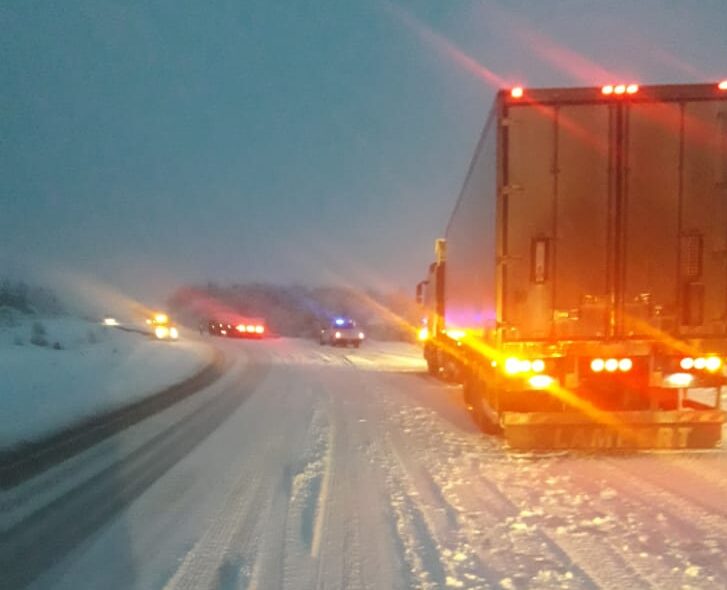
(297, 310)
(28, 299)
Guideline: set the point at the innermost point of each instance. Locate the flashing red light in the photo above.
(619, 89)
(608, 89)
(722, 85)
(632, 89)
(517, 92)
(240, 328)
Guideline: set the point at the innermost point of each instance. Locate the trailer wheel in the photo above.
(474, 396)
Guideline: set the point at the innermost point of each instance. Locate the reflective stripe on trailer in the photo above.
(645, 417)
(628, 430)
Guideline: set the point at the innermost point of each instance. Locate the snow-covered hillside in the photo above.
(79, 368)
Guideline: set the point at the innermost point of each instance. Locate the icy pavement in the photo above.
(305, 467)
(95, 369)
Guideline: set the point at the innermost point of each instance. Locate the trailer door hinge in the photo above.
(509, 189)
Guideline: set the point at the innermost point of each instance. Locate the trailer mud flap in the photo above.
(699, 429)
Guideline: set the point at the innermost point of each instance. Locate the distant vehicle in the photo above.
(342, 332)
(580, 295)
(250, 328)
(162, 327)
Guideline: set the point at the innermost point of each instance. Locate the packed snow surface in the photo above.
(309, 467)
(93, 369)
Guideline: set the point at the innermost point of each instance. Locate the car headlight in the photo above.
(174, 333)
(161, 332)
(337, 334)
(361, 335)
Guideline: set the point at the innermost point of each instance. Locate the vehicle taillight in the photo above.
(619, 89)
(597, 365)
(517, 92)
(722, 85)
(612, 365)
(541, 381)
(713, 364)
(259, 329)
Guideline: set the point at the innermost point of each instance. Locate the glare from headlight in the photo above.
(161, 332)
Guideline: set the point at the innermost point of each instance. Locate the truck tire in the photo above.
(432, 367)
(474, 397)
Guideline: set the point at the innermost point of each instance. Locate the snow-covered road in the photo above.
(308, 467)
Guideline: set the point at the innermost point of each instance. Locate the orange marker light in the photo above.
(608, 89)
(632, 89)
(517, 92)
(722, 85)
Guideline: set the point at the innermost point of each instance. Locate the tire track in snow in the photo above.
(686, 483)
(43, 539)
(433, 520)
(429, 437)
(322, 506)
(202, 565)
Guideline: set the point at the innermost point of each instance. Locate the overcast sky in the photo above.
(146, 143)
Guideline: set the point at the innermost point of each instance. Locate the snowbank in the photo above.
(92, 369)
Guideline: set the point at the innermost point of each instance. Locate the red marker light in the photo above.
(517, 92)
(620, 89)
(722, 85)
(632, 89)
(608, 89)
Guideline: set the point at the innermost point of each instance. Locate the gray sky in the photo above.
(148, 143)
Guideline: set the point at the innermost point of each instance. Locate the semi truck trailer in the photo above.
(580, 292)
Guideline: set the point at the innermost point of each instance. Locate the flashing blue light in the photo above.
(340, 321)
